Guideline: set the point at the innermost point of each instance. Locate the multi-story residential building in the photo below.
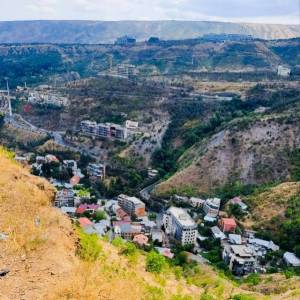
(212, 206)
(65, 198)
(88, 127)
(126, 70)
(96, 172)
(126, 230)
(196, 202)
(180, 225)
(132, 205)
(107, 130)
(47, 99)
(240, 258)
(283, 71)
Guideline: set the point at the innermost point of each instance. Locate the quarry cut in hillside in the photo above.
(250, 151)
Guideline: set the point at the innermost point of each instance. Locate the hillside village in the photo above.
(198, 225)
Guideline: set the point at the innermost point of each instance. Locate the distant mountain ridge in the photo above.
(93, 32)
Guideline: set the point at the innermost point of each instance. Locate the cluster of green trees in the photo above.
(30, 66)
(295, 164)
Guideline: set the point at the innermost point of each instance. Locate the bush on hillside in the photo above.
(155, 262)
(89, 248)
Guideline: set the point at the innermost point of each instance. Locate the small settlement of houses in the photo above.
(126, 216)
(44, 95)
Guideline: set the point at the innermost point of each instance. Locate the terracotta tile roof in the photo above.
(75, 180)
(140, 239)
(84, 222)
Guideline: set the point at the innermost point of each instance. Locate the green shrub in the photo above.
(99, 215)
(128, 249)
(118, 242)
(89, 248)
(253, 279)
(289, 273)
(155, 262)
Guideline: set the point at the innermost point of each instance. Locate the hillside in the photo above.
(255, 149)
(94, 32)
(41, 246)
(275, 214)
(39, 250)
(50, 63)
(270, 204)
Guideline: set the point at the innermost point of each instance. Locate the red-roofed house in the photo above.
(122, 215)
(87, 207)
(141, 239)
(74, 180)
(80, 210)
(84, 222)
(227, 224)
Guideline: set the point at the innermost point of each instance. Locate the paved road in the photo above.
(19, 122)
(146, 192)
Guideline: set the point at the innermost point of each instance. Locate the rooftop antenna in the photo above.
(8, 97)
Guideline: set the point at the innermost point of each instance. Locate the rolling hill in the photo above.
(37, 63)
(94, 32)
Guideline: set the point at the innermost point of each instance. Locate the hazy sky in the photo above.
(263, 11)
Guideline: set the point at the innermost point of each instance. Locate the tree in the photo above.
(155, 262)
(1, 120)
(99, 215)
(236, 211)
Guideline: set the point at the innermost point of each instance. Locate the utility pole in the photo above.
(8, 98)
(110, 63)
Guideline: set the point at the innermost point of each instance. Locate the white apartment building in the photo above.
(212, 206)
(64, 198)
(283, 71)
(47, 99)
(132, 205)
(180, 225)
(105, 130)
(131, 125)
(96, 171)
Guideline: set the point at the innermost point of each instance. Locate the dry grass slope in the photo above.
(272, 203)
